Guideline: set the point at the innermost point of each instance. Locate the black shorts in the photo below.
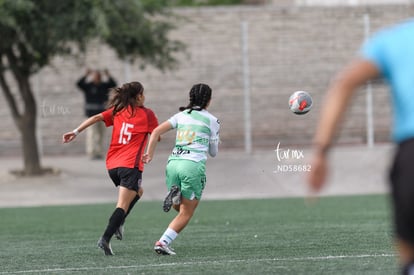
(130, 178)
(402, 191)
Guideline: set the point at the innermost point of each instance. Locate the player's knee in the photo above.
(123, 205)
(186, 213)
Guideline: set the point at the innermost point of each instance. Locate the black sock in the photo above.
(115, 221)
(408, 269)
(131, 205)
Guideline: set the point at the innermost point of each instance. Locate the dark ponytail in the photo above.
(125, 96)
(200, 95)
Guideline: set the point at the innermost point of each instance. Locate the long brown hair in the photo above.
(125, 96)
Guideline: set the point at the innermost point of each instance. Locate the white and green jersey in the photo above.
(197, 134)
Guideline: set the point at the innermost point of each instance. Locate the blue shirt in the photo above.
(392, 51)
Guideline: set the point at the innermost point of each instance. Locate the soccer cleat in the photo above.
(105, 246)
(168, 201)
(119, 233)
(163, 249)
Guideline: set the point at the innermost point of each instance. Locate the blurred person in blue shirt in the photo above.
(388, 54)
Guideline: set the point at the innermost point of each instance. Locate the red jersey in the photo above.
(129, 136)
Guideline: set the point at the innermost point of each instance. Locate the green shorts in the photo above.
(189, 175)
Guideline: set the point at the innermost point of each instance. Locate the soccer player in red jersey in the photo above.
(132, 123)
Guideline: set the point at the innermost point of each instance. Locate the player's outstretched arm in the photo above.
(155, 137)
(69, 136)
(336, 102)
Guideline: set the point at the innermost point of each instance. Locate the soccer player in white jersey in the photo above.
(197, 135)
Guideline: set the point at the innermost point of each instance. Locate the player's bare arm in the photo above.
(69, 136)
(338, 97)
(155, 137)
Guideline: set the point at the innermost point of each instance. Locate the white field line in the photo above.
(318, 258)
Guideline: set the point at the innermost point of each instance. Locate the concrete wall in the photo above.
(290, 48)
(348, 2)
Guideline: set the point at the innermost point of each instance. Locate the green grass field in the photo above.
(338, 235)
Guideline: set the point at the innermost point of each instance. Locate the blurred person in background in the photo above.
(96, 91)
(388, 54)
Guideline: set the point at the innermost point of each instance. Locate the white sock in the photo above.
(168, 236)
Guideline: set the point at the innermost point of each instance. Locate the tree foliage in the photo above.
(206, 2)
(41, 29)
(34, 31)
